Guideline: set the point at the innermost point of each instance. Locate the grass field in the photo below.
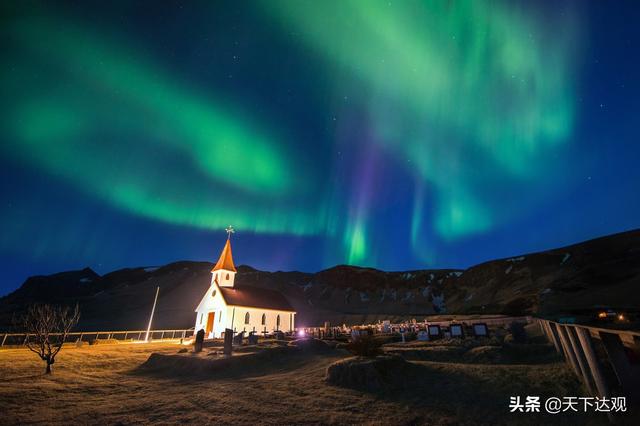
(102, 384)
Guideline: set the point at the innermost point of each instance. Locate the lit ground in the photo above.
(99, 385)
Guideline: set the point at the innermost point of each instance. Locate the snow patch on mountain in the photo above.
(438, 303)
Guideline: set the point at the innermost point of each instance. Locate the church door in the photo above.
(209, 323)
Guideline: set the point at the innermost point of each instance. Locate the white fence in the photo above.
(20, 339)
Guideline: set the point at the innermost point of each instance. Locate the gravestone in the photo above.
(456, 330)
(423, 336)
(279, 335)
(228, 341)
(252, 339)
(386, 326)
(237, 340)
(480, 330)
(434, 331)
(197, 347)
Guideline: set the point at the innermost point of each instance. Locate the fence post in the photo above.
(582, 362)
(615, 352)
(556, 338)
(551, 337)
(3, 339)
(542, 328)
(571, 356)
(162, 335)
(585, 340)
(587, 346)
(139, 335)
(26, 339)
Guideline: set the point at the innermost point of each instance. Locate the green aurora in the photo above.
(464, 95)
(444, 79)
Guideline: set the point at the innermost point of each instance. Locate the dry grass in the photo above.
(103, 385)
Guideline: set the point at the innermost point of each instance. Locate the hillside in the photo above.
(599, 272)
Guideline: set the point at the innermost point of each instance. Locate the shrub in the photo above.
(366, 345)
(517, 331)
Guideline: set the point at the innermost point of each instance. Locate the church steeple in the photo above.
(226, 259)
(224, 271)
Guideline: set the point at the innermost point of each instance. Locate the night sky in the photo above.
(391, 134)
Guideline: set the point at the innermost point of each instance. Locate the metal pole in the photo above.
(146, 339)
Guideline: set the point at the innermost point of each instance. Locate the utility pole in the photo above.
(146, 339)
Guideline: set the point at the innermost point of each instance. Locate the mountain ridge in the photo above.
(603, 271)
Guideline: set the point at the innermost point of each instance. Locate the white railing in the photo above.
(20, 339)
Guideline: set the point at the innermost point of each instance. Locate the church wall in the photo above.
(212, 304)
(255, 319)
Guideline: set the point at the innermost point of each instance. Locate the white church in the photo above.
(244, 308)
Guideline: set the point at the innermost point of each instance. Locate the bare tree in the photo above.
(47, 328)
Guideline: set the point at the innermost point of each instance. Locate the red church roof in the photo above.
(226, 259)
(255, 297)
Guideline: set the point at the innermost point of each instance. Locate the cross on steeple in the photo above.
(230, 231)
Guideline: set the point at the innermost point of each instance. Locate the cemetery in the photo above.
(294, 377)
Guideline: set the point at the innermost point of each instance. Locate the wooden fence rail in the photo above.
(20, 339)
(594, 353)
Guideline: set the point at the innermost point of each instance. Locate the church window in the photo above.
(278, 322)
(246, 318)
(220, 316)
(227, 277)
(264, 319)
(213, 293)
(201, 318)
